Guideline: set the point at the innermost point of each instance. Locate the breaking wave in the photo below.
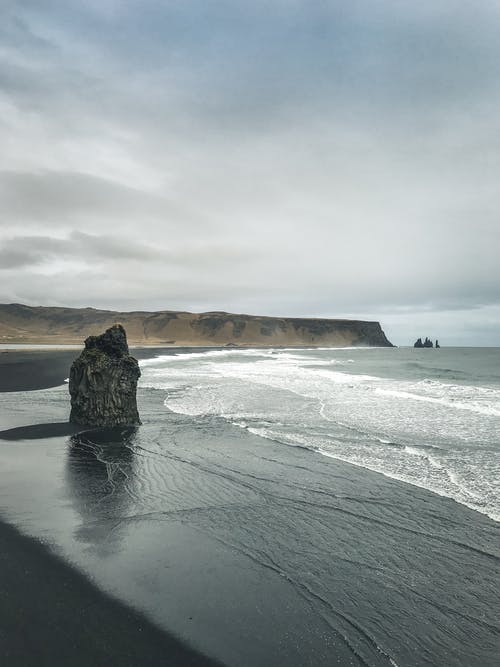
(431, 433)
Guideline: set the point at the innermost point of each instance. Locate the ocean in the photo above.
(426, 417)
(283, 507)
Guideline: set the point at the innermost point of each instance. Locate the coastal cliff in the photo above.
(28, 324)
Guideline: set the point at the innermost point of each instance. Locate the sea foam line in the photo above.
(297, 377)
(457, 405)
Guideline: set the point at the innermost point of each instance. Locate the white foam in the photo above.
(430, 434)
(455, 405)
(208, 354)
(459, 494)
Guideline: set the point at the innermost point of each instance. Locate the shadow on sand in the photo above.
(39, 431)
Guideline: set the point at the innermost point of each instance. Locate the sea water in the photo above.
(234, 517)
(427, 417)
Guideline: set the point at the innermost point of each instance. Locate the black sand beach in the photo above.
(250, 551)
(28, 370)
(50, 614)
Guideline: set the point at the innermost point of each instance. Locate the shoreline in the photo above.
(397, 547)
(403, 480)
(51, 614)
(35, 369)
(42, 368)
(251, 551)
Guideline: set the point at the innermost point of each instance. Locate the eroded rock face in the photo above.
(29, 324)
(103, 382)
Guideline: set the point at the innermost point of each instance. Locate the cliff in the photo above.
(27, 324)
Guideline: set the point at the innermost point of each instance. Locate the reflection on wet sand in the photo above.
(99, 469)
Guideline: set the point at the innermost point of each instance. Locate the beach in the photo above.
(50, 614)
(249, 334)
(213, 542)
(25, 370)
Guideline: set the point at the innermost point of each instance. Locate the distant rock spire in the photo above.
(427, 343)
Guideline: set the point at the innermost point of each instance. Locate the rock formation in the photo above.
(427, 343)
(103, 382)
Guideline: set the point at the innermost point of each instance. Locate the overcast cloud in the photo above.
(284, 157)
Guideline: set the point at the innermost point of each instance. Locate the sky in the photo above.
(278, 157)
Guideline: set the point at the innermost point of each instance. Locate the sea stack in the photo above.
(103, 382)
(427, 343)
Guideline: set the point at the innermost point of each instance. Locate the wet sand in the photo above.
(50, 614)
(250, 551)
(29, 370)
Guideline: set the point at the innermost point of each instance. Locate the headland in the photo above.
(50, 325)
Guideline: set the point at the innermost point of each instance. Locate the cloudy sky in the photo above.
(281, 157)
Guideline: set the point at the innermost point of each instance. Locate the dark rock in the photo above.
(437, 345)
(427, 343)
(103, 382)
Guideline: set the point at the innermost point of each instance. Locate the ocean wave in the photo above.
(449, 402)
(443, 482)
(208, 354)
(434, 434)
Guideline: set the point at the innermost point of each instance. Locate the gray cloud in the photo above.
(280, 157)
(60, 198)
(29, 251)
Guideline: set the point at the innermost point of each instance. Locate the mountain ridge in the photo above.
(20, 323)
